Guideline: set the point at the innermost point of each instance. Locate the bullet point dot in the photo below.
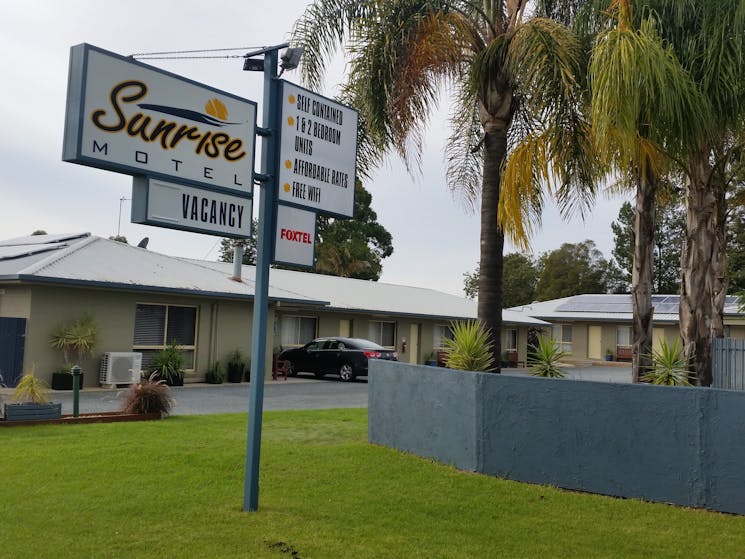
(288, 164)
(291, 121)
(287, 186)
(291, 99)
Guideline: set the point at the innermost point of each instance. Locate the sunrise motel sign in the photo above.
(190, 146)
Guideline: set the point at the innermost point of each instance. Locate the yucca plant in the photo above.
(78, 336)
(669, 366)
(470, 348)
(168, 364)
(30, 389)
(545, 357)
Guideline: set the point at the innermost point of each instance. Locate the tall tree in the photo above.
(572, 269)
(518, 281)
(227, 248)
(503, 66)
(643, 106)
(353, 248)
(668, 241)
(708, 38)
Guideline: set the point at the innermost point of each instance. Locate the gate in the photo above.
(728, 363)
(12, 344)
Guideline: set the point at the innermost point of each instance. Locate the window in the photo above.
(383, 333)
(158, 325)
(509, 340)
(623, 336)
(298, 330)
(562, 333)
(442, 332)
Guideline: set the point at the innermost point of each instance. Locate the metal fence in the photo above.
(728, 363)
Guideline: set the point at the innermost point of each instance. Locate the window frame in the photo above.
(379, 338)
(564, 344)
(186, 348)
(297, 330)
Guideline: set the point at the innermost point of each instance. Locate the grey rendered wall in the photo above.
(674, 445)
(432, 415)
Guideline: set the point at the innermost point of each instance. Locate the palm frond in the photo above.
(463, 152)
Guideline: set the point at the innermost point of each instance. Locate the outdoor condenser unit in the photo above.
(120, 367)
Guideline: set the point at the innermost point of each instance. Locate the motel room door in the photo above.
(594, 342)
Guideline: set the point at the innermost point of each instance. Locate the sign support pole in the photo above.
(264, 257)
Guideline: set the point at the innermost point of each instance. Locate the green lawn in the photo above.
(174, 489)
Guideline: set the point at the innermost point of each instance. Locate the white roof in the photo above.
(83, 259)
(609, 307)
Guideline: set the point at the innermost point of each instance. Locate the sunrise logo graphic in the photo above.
(215, 112)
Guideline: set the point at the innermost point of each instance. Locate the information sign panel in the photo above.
(295, 240)
(317, 152)
(177, 206)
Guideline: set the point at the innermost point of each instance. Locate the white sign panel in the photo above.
(295, 241)
(176, 206)
(132, 118)
(317, 152)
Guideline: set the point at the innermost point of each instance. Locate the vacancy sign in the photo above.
(295, 240)
(136, 119)
(317, 152)
(177, 206)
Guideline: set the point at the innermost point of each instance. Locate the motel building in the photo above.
(141, 300)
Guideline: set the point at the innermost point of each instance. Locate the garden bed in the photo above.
(98, 417)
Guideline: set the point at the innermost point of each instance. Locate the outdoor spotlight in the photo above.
(291, 58)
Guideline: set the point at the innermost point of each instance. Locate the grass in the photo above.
(174, 488)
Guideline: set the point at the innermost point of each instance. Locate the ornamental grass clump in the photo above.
(148, 396)
(469, 349)
(545, 357)
(31, 389)
(669, 366)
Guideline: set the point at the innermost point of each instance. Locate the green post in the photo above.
(75, 391)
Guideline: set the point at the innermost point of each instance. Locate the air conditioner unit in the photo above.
(120, 367)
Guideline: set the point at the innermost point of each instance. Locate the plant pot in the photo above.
(609, 358)
(63, 381)
(235, 373)
(178, 380)
(32, 412)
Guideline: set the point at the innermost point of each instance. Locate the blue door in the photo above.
(12, 344)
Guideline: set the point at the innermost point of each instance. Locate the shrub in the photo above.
(30, 389)
(470, 348)
(669, 366)
(215, 374)
(168, 364)
(148, 396)
(78, 336)
(545, 357)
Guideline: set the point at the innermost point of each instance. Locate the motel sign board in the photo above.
(295, 240)
(132, 118)
(317, 152)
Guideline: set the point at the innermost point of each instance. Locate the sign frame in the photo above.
(77, 125)
(348, 211)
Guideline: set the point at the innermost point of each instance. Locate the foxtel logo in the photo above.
(168, 133)
(296, 236)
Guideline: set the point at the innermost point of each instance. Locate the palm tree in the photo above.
(708, 39)
(513, 77)
(645, 111)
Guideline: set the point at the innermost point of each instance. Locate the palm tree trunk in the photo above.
(492, 240)
(719, 269)
(697, 263)
(641, 276)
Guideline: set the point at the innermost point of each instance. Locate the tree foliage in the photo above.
(227, 248)
(518, 280)
(572, 269)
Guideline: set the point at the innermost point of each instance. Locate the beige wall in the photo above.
(15, 302)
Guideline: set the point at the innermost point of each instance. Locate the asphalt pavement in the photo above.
(296, 393)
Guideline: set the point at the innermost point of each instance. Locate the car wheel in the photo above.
(346, 372)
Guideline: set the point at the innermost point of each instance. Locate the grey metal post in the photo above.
(264, 256)
(76, 391)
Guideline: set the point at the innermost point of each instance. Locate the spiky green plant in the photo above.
(469, 349)
(168, 363)
(545, 358)
(30, 389)
(78, 336)
(669, 366)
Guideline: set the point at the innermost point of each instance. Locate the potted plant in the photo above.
(168, 365)
(77, 336)
(30, 401)
(431, 360)
(608, 355)
(215, 374)
(236, 366)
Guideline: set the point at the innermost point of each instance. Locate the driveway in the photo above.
(299, 393)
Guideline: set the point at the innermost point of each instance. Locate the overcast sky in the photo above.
(436, 239)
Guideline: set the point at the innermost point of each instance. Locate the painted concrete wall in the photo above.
(15, 302)
(675, 445)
